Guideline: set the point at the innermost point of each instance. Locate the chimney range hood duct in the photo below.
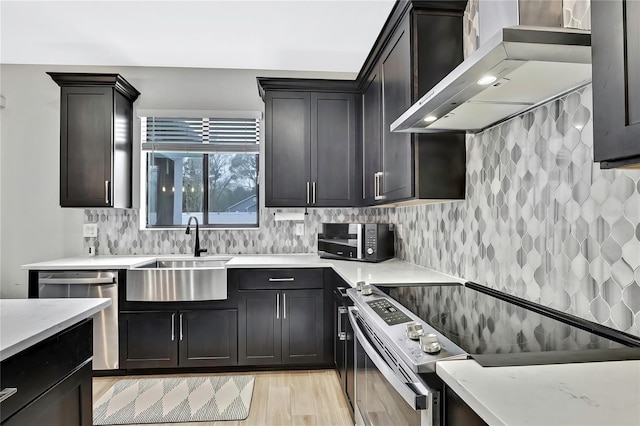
(515, 70)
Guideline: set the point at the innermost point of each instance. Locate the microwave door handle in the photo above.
(415, 394)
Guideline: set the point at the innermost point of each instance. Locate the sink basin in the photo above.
(190, 263)
(178, 280)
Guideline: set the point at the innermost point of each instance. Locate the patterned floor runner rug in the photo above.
(175, 400)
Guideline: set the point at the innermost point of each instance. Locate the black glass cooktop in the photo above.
(484, 326)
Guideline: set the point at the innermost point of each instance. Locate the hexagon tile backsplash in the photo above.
(119, 233)
(540, 221)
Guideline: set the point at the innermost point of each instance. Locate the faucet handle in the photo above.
(197, 253)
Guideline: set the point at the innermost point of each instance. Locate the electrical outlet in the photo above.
(90, 230)
(299, 229)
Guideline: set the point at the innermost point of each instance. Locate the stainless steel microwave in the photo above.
(368, 242)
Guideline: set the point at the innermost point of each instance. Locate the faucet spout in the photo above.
(196, 245)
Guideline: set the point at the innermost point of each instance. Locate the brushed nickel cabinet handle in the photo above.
(375, 186)
(173, 327)
(284, 305)
(313, 193)
(278, 306)
(308, 193)
(107, 192)
(342, 311)
(181, 327)
(277, 280)
(6, 393)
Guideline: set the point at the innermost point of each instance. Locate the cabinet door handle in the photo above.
(308, 193)
(342, 311)
(375, 186)
(180, 327)
(107, 192)
(278, 306)
(173, 327)
(284, 305)
(277, 280)
(378, 185)
(313, 192)
(7, 392)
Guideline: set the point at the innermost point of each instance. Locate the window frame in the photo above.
(147, 148)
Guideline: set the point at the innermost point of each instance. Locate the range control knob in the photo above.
(414, 330)
(367, 290)
(370, 251)
(429, 343)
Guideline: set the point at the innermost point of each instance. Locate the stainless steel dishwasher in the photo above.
(86, 284)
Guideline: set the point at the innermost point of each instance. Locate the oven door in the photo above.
(387, 392)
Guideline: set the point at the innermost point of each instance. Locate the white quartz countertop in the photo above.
(91, 262)
(390, 271)
(25, 322)
(595, 393)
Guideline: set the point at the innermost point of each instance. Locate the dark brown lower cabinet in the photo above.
(66, 404)
(148, 340)
(53, 381)
(302, 327)
(185, 338)
(208, 338)
(259, 328)
(281, 327)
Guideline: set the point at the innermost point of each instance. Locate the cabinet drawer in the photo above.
(278, 279)
(38, 368)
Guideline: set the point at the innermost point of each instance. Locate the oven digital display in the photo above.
(389, 313)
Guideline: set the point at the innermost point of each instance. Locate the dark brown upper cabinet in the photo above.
(423, 49)
(420, 43)
(96, 139)
(310, 148)
(615, 41)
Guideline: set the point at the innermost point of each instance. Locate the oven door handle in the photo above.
(415, 394)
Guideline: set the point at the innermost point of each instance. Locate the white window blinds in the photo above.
(200, 134)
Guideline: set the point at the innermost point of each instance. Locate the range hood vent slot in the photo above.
(519, 68)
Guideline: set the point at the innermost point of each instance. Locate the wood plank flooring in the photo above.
(280, 398)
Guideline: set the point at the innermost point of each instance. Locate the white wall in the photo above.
(33, 227)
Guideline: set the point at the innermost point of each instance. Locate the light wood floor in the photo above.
(279, 398)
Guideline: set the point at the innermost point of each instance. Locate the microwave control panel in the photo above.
(370, 238)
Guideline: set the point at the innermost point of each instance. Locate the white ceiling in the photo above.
(300, 35)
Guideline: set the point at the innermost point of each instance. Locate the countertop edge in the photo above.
(53, 329)
(478, 407)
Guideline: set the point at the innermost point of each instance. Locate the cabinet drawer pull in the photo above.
(284, 305)
(277, 280)
(7, 392)
(107, 192)
(278, 306)
(173, 327)
(181, 327)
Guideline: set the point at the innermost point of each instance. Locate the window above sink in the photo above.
(205, 167)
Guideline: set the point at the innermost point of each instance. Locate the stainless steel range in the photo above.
(403, 330)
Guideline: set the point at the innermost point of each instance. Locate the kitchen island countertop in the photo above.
(25, 322)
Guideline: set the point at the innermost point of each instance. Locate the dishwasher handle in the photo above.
(79, 281)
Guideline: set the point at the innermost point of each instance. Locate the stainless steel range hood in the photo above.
(518, 68)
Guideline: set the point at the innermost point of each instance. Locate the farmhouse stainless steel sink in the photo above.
(178, 280)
